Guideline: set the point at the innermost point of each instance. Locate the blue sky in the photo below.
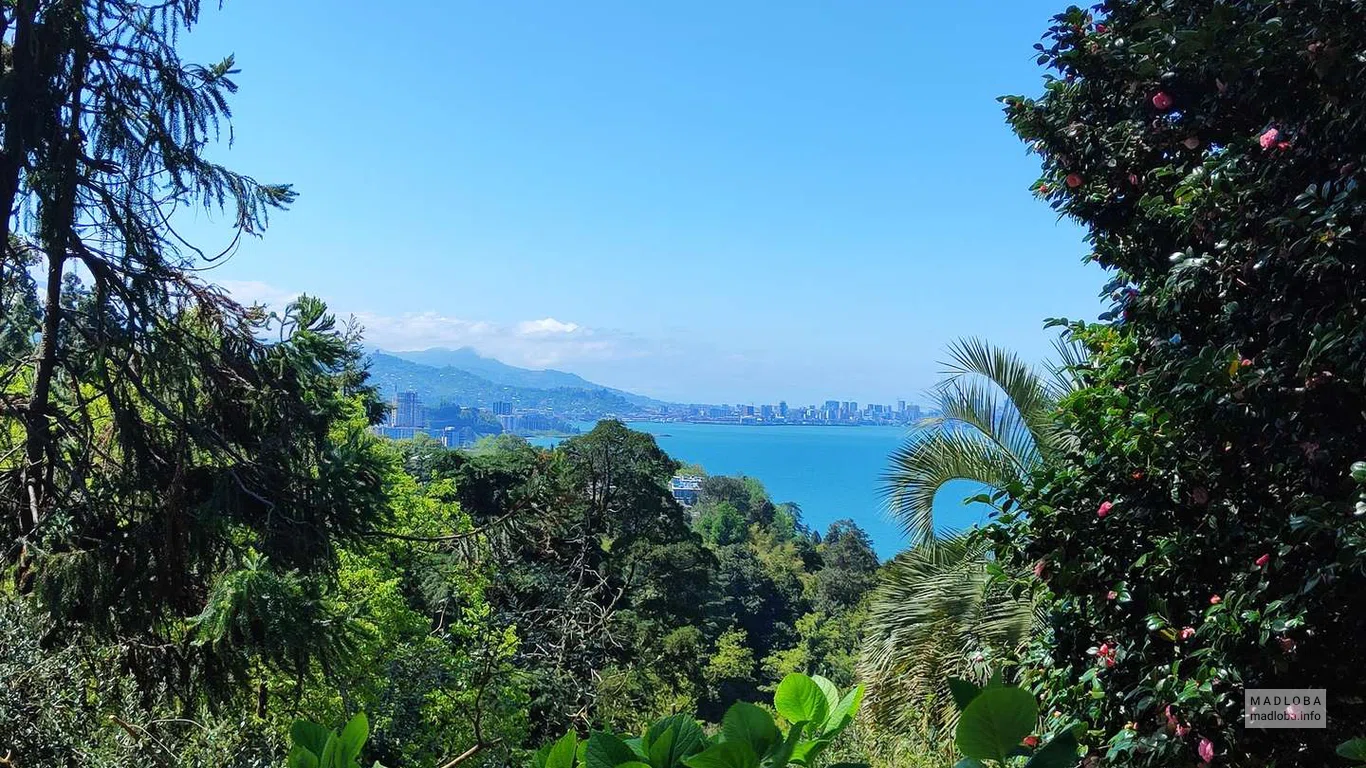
(700, 201)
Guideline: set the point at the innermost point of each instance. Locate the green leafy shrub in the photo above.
(813, 708)
(1201, 538)
(996, 726)
(316, 746)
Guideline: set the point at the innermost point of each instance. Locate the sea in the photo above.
(830, 472)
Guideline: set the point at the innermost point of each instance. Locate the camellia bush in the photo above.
(1205, 534)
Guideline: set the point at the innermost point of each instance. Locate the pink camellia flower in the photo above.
(1206, 750)
(1103, 650)
(1282, 145)
(1247, 361)
(1182, 730)
(1162, 101)
(1100, 29)
(1171, 719)
(1269, 139)
(1215, 600)
(1187, 633)
(1263, 560)
(1031, 741)
(1133, 179)
(1073, 180)
(1038, 568)
(1111, 595)
(1043, 189)
(1105, 507)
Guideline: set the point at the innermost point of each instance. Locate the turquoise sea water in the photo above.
(831, 472)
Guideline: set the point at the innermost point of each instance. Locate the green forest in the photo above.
(211, 560)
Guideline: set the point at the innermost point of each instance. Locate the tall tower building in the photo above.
(407, 410)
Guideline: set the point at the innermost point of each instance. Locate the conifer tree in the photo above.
(160, 457)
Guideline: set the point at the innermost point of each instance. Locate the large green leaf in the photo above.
(561, 754)
(832, 694)
(1353, 750)
(309, 735)
(752, 725)
(806, 752)
(603, 750)
(995, 723)
(963, 692)
(800, 700)
(727, 754)
(843, 712)
(352, 740)
(783, 752)
(301, 757)
(1059, 752)
(670, 740)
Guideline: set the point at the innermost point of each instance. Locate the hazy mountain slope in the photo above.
(454, 385)
(497, 372)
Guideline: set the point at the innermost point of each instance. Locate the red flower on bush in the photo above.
(1106, 654)
(1206, 749)
(1187, 633)
(1215, 600)
(1162, 101)
(1269, 139)
(1031, 741)
(1263, 560)
(1105, 507)
(1073, 180)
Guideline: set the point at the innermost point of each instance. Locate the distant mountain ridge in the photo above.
(464, 377)
(496, 371)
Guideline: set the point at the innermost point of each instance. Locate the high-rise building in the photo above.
(502, 408)
(782, 408)
(900, 407)
(407, 410)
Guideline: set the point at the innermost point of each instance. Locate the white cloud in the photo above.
(533, 343)
(250, 292)
(542, 343)
(546, 325)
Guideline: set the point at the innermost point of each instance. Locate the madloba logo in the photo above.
(1285, 708)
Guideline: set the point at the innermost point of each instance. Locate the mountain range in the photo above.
(463, 376)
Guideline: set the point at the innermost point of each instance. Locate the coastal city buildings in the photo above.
(458, 426)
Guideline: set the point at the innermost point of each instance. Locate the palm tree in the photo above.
(937, 611)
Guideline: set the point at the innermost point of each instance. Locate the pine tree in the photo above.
(159, 454)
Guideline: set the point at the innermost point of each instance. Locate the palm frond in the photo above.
(975, 404)
(929, 459)
(936, 614)
(1027, 392)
